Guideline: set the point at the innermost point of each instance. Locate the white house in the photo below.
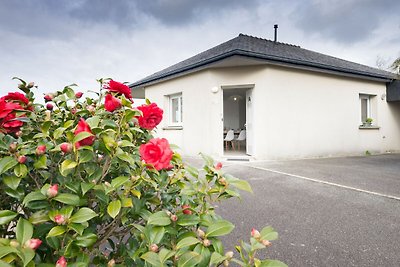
(293, 102)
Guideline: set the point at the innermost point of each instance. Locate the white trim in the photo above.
(179, 114)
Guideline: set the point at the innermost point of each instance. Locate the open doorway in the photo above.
(234, 131)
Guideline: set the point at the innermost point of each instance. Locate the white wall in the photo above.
(296, 113)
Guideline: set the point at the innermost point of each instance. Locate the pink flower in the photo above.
(62, 262)
(49, 106)
(22, 159)
(78, 94)
(52, 191)
(84, 127)
(186, 210)
(152, 116)
(157, 152)
(120, 88)
(33, 243)
(66, 148)
(40, 150)
(59, 219)
(48, 97)
(254, 233)
(218, 166)
(112, 103)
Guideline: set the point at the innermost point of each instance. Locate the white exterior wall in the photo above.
(296, 113)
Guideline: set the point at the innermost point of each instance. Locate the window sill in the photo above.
(171, 128)
(371, 127)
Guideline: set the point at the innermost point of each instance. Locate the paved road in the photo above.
(322, 224)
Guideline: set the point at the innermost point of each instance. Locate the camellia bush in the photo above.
(83, 182)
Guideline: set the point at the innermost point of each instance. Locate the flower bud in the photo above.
(206, 242)
(200, 233)
(14, 243)
(33, 243)
(22, 159)
(91, 108)
(73, 111)
(174, 218)
(107, 184)
(186, 209)
(59, 219)
(78, 94)
(222, 181)
(266, 243)
(48, 97)
(218, 166)
(154, 248)
(30, 85)
(256, 234)
(40, 150)
(226, 263)
(111, 263)
(13, 147)
(49, 106)
(62, 262)
(229, 255)
(18, 134)
(52, 191)
(66, 148)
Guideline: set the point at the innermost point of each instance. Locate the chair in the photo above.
(241, 137)
(229, 138)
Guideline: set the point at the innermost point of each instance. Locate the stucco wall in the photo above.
(296, 113)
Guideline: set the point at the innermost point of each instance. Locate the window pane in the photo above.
(364, 109)
(175, 110)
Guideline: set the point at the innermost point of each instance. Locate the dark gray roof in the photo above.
(273, 52)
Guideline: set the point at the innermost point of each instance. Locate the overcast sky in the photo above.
(59, 42)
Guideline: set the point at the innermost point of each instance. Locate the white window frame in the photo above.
(180, 111)
(368, 98)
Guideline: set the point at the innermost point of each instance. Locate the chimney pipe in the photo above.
(276, 33)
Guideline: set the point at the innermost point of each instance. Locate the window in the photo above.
(365, 107)
(175, 109)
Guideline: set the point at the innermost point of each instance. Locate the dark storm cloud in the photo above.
(345, 21)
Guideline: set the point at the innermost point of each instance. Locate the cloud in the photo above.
(344, 21)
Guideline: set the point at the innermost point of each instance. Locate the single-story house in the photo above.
(292, 102)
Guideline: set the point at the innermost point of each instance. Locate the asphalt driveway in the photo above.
(328, 212)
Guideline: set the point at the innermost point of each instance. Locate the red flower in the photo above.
(10, 124)
(66, 147)
(152, 116)
(48, 97)
(218, 166)
(78, 94)
(33, 243)
(112, 103)
(186, 209)
(84, 127)
(52, 191)
(49, 106)
(40, 150)
(62, 262)
(16, 96)
(120, 88)
(22, 159)
(7, 107)
(59, 219)
(157, 152)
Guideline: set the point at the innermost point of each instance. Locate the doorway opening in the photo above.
(235, 121)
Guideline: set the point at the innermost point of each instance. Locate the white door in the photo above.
(249, 123)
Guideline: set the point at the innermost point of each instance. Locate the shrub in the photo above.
(83, 182)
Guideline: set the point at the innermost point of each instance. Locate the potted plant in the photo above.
(368, 122)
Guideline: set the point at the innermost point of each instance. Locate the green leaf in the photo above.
(241, 184)
(156, 234)
(86, 187)
(21, 170)
(57, 230)
(159, 218)
(114, 208)
(39, 217)
(126, 202)
(268, 233)
(272, 263)
(219, 228)
(24, 231)
(68, 199)
(125, 143)
(77, 227)
(93, 121)
(187, 241)
(187, 220)
(193, 171)
(85, 156)
(209, 160)
(58, 132)
(12, 181)
(67, 165)
(80, 136)
(7, 163)
(7, 250)
(165, 254)
(27, 255)
(189, 259)
(7, 216)
(117, 182)
(41, 163)
(68, 124)
(86, 240)
(82, 215)
(152, 258)
(33, 196)
(126, 157)
(46, 126)
(216, 258)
